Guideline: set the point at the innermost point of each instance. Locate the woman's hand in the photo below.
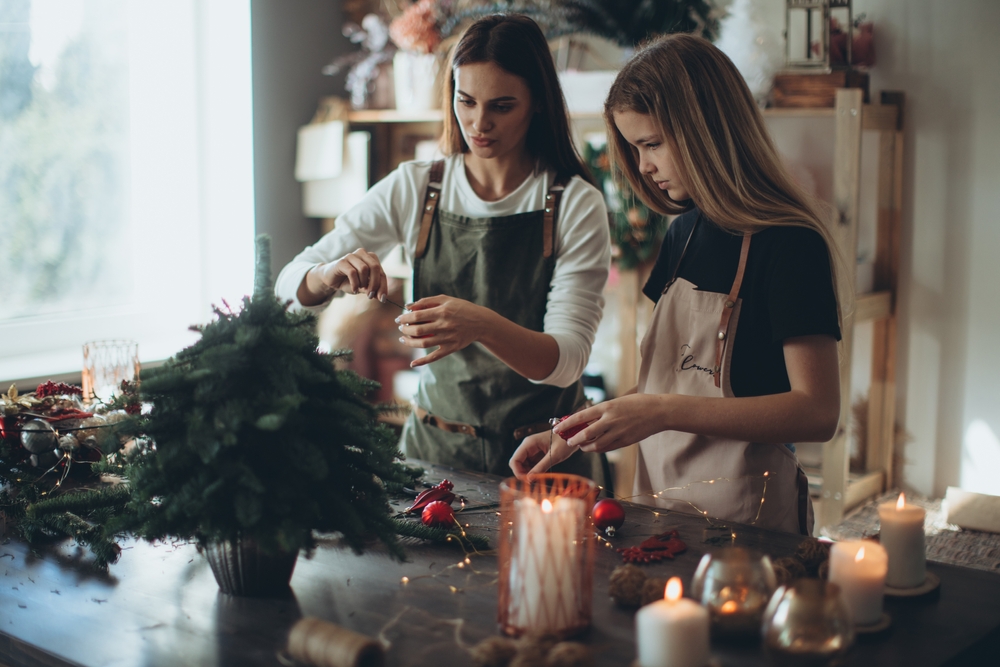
(617, 423)
(539, 452)
(356, 272)
(444, 322)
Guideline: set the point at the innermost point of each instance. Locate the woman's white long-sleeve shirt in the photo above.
(389, 215)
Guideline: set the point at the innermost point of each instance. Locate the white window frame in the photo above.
(192, 209)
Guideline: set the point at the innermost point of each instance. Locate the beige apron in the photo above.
(688, 350)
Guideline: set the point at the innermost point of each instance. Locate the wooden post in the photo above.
(882, 397)
(846, 184)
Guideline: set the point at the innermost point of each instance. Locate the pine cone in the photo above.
(569, 654)
(625, 585)
(493, 652)
(653, 589)
(824, 570)
(811, 552)
(788, 569)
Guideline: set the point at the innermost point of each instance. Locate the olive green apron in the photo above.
(504, 264)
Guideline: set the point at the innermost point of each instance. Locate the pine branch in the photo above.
(440, 535)
(81, 502)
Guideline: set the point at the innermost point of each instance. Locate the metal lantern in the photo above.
(818, 34)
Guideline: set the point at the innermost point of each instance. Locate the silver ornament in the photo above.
(38, 436)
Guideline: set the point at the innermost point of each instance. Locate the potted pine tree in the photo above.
(257, 442)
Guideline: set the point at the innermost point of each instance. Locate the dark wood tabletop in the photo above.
(160, 605)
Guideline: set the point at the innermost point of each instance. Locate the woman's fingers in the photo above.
(363, 273)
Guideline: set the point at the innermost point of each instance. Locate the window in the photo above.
(126, 201)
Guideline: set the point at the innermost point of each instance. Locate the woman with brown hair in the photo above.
(741, 355)
(510, 250)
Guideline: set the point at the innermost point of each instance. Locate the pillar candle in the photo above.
(859, 568)
(546, 563)
(902, 535)
(672, 632)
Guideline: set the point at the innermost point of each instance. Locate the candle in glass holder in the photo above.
(859, 568)
(902, 535)
(738, 610)
(672, 632)
(547, 534)
(735, 585)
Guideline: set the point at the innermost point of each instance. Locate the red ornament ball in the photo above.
(609, 515)
(438, 514)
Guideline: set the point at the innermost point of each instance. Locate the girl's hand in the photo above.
(616, 423)
(536, 454)
(444, 322)
(357, 272)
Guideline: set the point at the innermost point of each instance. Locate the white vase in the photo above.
(415, 76)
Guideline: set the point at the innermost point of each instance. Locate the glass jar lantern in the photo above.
(546, 555)
(735, 585)
(807, 623)
(808, 26)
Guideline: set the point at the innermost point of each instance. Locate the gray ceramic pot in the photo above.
(241, 568)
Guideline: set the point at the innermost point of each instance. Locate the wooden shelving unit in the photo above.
(840, 490)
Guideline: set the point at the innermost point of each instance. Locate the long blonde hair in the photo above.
(720, 143)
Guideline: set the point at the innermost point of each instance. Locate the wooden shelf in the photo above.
(874, 117)
(873, 306)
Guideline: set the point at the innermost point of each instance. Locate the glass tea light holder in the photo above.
(546, 555)
(735, 585)
(106, 363)
(807, 624)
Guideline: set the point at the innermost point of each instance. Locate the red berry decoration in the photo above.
(438, 514)
(655, 549)
(609, 515)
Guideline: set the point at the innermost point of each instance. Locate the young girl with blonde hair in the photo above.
(741, 355)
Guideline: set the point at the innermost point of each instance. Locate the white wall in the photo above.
(945, 57)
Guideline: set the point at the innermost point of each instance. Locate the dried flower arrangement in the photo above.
(418, 28)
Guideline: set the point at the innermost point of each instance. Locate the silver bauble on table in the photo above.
(38, 436)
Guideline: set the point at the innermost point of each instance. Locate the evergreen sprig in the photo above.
(258, 435)
(409, 528)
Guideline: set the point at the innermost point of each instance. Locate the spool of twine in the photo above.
(313, 641)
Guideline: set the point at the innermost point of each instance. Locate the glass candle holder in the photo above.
(546, 555)
(106, 363)
(735, 585)
(807, 624)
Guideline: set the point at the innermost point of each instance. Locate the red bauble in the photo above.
(609, 515)
(438, 514)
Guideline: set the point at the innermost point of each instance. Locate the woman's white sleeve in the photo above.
(576, 296)
(378, 223)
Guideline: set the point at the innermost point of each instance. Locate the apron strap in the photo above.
(727, 312)
(551, 214)
(431, 198)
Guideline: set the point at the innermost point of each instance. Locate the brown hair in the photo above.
(719, 140)
(516, 44)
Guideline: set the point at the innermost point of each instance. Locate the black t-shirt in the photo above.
(787, 291)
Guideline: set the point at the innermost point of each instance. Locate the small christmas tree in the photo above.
(256, 435)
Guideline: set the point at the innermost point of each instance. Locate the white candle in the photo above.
(546, 564)
(859, 568)
(672, 632)
(902, 535)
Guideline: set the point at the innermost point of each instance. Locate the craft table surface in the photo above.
(160, 605)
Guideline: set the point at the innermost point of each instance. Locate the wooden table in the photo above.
(159, 605)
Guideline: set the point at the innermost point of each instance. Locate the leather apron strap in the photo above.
(727, 312)
(432, 196)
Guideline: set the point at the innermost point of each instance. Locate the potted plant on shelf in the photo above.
(257, 441)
